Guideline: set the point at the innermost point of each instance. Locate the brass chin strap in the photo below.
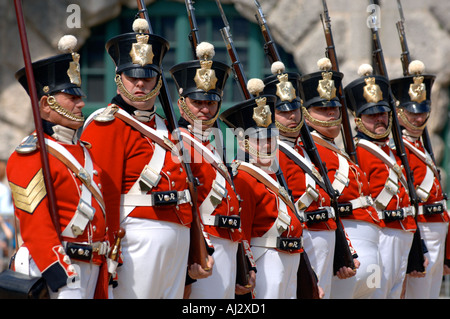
(194, 118)
(55, 106)
(363, 129)
(286, 129)
(319, 122)
(254, 152)
(408, 124)
(131, 97)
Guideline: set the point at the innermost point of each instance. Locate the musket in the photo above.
(193, 35)
(242, 271)
(238, 70)
(37, 117)
(330, 51)
(197, 251)
(343, 255)
(416, 256)
(406, 59)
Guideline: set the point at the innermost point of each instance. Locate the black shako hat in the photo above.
(256, 117)
(138, 54)
(285, 87)
(413, 92)
(199, 82)
(320, 88)
(368, 94)
(60, 73)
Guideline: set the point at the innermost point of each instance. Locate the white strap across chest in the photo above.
(218, 189)
(85, 212)
(150, 175)
(311, 193)
(391, 186)
(423, 190)
(283, 220)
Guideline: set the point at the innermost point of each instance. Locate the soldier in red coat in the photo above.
(414, 94)
(200, 85)
(146, 192)
(313, 202)
(322, 111)
(72, 257)
(368, 96)
(268, 217)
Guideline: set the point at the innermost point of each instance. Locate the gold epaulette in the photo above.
(107, 114)
(234, 167)
(28, 145)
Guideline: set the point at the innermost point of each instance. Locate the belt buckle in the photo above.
(345, 209)
(149, 177)
(224, 221)
(340, 177)
(287, 243)
(312, 192)
(219, 189)
(391, 215)
(317, 216)
(431, 209)
(79, 251)
(165, 198)
(391, 186)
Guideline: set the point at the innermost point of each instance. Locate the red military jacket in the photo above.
(377, 173)
(26, 179)
(296, 181)
(419, 169)
(122, 151)
(206, 173)
(260, 209)
(358, 185)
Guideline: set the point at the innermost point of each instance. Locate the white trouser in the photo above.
(82, 288)
(221, 284)
(277, 274)
(154, 260)
(319, 245)
(429, 287)
(395, 245)
(364, 237)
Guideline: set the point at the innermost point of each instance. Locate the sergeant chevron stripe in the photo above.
(27, 199)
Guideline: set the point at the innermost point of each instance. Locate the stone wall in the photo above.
(295, 24)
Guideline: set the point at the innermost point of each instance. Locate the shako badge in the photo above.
(205, 77)
(262, 114)
(372, 92)
(285, 89)
(417, 90)
(326, 87)
(141, 52)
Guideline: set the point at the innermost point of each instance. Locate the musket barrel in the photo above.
(37, 116)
